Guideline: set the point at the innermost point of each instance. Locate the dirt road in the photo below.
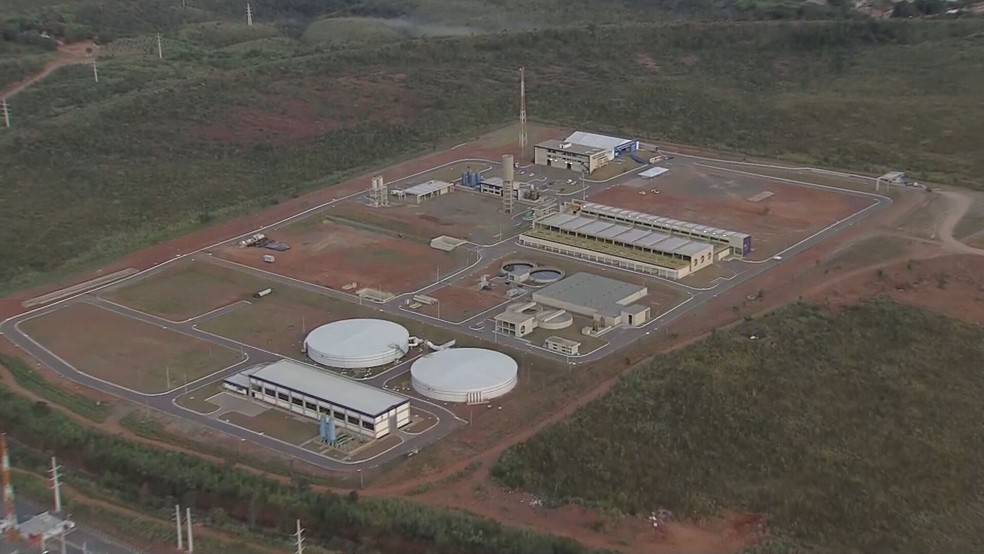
(959, 204)
(80, 52)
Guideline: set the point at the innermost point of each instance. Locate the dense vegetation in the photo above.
(226, 124)
(856, 432)
(155, 479)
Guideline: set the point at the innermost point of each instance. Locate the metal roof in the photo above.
(653, 172)
(427, 188)
(626, 234)
(659, 222)
(568, 146)
(592, 291)
(464, 370)
(596, 141)
(329, 387)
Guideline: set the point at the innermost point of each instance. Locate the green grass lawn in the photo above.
(856, 432)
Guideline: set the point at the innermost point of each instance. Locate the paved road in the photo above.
(479, 326)
(80, 540)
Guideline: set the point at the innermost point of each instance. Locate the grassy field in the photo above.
(277, 424)
(257, 119)
(127, 352)
(854, 432)
(188, 290)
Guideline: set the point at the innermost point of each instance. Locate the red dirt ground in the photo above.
(950, 285)
(463, 300)
(791, 214)
(334, 255)
(168, 250)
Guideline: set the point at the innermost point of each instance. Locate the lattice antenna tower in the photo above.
(6, 112)
(9, 520)
(522, 110)
(249, 15)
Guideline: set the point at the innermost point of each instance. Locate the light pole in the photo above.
(362, 482)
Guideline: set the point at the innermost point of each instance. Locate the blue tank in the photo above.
(466, 179)
(476, 179)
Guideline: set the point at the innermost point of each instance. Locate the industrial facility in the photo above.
(357, 343)
(738, 244)
(607, 302)
(419, 193)
(471, 375)
(40, 530)
(582, 152)
(633, 240)
(306, 390)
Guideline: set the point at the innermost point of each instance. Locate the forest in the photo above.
(829, 425)
(154, 480)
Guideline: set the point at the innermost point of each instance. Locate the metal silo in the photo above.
(507, 169)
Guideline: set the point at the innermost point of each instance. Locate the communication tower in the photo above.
(522, 110)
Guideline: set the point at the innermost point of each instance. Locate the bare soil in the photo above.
(720, 199)
(335, 255)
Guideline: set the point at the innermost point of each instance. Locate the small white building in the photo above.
(430, 189)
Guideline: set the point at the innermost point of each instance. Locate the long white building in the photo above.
(306, 390)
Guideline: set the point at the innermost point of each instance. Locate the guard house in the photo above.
(563, 346)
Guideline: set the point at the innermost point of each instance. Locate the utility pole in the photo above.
(160, 49)
(64, 546)
(6, 113)
(177, 524)
(56, 484)
(299, 538)
(249, 15)
(95, 72)
(167, 373)
(191, 538)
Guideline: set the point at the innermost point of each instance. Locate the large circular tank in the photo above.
(357, 343)
(545, 275)
(464, 375)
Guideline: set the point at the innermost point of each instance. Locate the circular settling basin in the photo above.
(543, 276)
(517, 266)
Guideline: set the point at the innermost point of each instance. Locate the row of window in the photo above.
(298, 401)
(618, 243)
(695, 234)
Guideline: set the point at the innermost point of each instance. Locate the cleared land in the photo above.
(277, 424)
(279, 322)
(335, 255)
(851, 433)
(467, 215)
(721, 199)
(188, 290)
(125, 351)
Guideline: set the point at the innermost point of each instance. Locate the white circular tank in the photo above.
(464, 375)
(357, 343)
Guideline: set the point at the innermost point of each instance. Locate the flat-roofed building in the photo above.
(607, 301)
(312, 392)
(619, 244)
(418, 193)
(739, 244)
(613, 147)
(571, 156)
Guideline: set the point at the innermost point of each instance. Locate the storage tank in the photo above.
(466, 178)
(357, 343)
(507, 168)
(476, 179)
(464, 375)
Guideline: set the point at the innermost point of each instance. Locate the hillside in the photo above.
(854, 432)
(236, 118)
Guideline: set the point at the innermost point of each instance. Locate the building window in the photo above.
(369, 425)
(297, 401)
(352, 419)
(310, 406)
(270, 392)
(339, 415)
(283, 396)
